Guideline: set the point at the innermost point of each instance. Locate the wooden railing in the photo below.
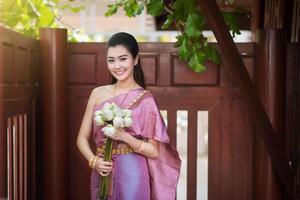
(17, 156)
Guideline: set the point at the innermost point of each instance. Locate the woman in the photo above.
(148, 166)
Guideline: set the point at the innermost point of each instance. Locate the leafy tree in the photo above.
(190, 22)
(28, 16)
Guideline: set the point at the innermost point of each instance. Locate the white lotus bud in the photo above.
(106, 106)
(98, 112)
(99, 121)
(118, 122)
(107, 114)
(127, 113)
(127, 121)
(118, 112)
(109, 130)
(113, 106)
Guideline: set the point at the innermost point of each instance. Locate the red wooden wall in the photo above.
(19, 68)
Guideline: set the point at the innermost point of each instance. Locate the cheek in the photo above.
(129, 64)
(110, 67)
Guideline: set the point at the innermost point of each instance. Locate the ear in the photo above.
(136, 60)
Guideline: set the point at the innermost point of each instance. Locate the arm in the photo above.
(151, 147)
(82, 142)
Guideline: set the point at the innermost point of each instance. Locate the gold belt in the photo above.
(120, 149)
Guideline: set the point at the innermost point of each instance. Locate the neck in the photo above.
(127, 85)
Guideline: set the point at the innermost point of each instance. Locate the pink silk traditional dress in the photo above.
(136, 177)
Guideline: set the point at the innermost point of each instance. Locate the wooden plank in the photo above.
(214, 150)
(21, 158)
(235, 64)
(15, 157)
(172, 126)
(10, 158)
(25, 157)
(192, 155)
(227, 190)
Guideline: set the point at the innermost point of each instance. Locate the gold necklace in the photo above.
(115, 88)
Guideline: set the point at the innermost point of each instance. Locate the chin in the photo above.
(121, 78)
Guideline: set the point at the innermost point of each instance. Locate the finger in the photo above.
(107, 163)
(112, 137)
(105, 168)
(101, 155)
(103, 173)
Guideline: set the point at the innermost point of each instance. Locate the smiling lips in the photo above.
(120, 72)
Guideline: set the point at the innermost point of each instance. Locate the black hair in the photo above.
(130, 43)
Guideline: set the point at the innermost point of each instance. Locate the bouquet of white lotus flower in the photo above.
(111, 117)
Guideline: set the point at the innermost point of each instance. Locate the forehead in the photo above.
(116, 51)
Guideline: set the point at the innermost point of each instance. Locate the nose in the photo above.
(117, 64)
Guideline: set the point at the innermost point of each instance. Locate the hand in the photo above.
(103, 167)
(119, 135)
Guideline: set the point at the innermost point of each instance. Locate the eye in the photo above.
(110, 61)
(123, 59)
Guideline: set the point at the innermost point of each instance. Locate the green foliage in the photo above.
(132, 8)
(28, 16)
(193, 47)
(231, 22)
(155, 8)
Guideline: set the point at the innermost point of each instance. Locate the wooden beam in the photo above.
(239, 73)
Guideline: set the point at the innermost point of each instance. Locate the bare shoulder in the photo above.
(102, 89)
(101, 93)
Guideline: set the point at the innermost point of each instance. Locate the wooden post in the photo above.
(3, 157)
(53, 43)
(270, 84)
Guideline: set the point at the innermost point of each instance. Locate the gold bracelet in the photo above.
(94, 162)
(141, 146)
(91, 161)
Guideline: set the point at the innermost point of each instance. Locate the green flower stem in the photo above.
(105, 181)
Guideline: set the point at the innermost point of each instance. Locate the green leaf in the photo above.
(155, 7)
(179, 11)
(139, 10)
(46, 17)
(179, 40)
(183, 8)
(212, 54)
(168, 22)
(112, 9)
(183, 50)
(76, 9)
(195, 64)
(130, 8)
(232, 23)
(194, 25)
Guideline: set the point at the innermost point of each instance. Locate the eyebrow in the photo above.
(125, 55)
